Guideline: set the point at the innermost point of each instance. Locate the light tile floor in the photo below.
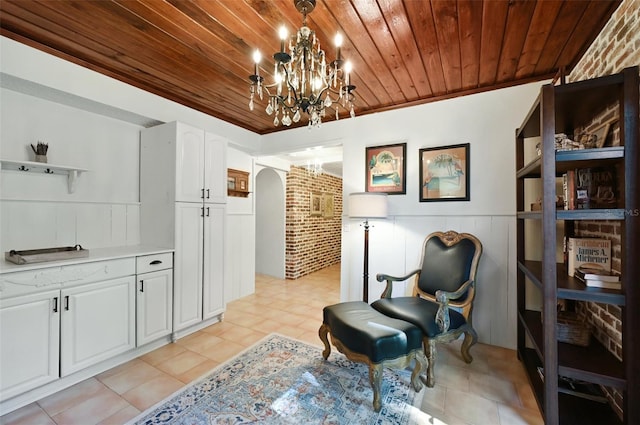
(491, 390)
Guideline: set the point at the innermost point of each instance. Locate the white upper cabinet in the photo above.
(190, 164)
(215, 169)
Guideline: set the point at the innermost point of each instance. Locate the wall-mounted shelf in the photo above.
(72, 173)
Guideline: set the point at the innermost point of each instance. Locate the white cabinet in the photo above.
(29, 342)
(183, 188)
(213, 264)
(154, 297)
(98, 322)
(188, 267)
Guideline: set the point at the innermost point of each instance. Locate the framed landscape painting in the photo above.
(386, 169)
(444, 173)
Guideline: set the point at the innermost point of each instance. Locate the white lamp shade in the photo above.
(368, 205)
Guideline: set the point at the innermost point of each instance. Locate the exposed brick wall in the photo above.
(312, 243)
(617, 47)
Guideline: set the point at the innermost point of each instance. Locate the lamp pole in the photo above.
(365, 275)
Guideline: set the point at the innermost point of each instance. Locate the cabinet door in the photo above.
(213, 281)
(98, 322)
(29, 342)
(215, 169)
(189, 164)
(154, 301)
(187, 305)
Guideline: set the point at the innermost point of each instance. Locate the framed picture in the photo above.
(601, 134)
(386, 169)
(444, 173)
(315, 204)
(327, 205)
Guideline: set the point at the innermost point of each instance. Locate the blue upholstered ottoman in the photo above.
(367, 336)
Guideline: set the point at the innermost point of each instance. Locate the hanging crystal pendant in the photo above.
(269, 109)
(251, 102)
(337, 115)
(352, 112)
(296, 116)
(327, 101)
(276, 121)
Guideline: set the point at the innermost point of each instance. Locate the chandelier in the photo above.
(314, 168)
(303, 80)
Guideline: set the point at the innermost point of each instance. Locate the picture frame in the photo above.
(327, 205)
(601, 134)
(444, 173)
(315, 204)
(386, 169)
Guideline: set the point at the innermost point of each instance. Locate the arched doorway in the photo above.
(270, 223)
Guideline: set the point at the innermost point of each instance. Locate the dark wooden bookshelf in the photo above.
(563, 109)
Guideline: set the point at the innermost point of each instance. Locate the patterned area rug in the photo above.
(284, 381)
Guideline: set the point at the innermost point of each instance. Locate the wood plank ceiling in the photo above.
(404, 52)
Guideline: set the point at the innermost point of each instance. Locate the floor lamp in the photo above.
(367, 205)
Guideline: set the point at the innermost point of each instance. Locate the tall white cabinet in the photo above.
(183, 196)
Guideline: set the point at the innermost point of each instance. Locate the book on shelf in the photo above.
(578, 388)
(591, 253)
(595, 188)
(569, 190)
(585, 273)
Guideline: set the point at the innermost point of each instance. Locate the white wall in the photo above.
(487, 121)
(270, 222)
(37, 210)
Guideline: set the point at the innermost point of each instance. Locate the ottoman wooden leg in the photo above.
(375, 379)
(420, 363)
(322, 333)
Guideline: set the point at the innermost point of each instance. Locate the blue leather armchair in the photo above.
(443, 293)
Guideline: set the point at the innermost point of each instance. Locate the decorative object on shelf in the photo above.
(308, 80)
(237, 183)
(578, 388)
(367, 205)
(46, 254)
(444, 173)
(573, 329)
(41, 151)
(600, 134)
(386, 169)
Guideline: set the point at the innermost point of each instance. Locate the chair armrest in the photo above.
(390, 279)
(443, 297)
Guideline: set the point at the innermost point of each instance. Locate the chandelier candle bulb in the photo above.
(257, 57)
(282, 32)
(338, 42)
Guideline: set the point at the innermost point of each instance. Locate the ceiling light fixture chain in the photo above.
(303, 80)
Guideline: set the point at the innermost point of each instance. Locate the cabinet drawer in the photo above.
(151, 263)
(33, 281)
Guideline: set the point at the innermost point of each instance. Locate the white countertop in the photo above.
(98, 254)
